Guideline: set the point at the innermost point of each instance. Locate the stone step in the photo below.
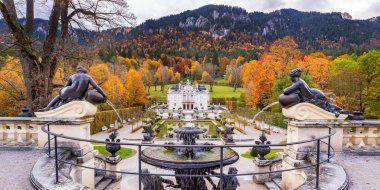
(98, 178)
(277, 181)
(103, 184)
(271, 185)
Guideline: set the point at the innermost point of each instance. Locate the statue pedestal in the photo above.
(113, 164)
(298, 154)
(73, 121)
(306, 111)
(306, 130)
(74, 109)
(261, 166)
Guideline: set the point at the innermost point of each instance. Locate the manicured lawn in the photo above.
(225, 92)
(123, 152)
(270, 155)
(218, 92)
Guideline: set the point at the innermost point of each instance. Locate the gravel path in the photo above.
(15, 167)
(364, 171)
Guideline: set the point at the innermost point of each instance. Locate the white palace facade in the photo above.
(188, 97)
(188, 102)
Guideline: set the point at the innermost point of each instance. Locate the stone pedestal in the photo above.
(74, 109)
(305, 130)
(82, 175)
(296, 155)
(261, 166)
(294, 178)
(306, 111)
(113, 164)
(74, 121)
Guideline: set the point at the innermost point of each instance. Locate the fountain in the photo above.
(189, 160)
(265, 108)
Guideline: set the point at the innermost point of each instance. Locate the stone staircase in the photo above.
(101, 182)
(274, 184)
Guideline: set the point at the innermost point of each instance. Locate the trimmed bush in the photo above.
(105, 118)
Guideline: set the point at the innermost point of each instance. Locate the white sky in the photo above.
(359, 9)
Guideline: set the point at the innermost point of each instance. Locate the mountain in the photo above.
(219, 30)
(83, 37)
(310, 29)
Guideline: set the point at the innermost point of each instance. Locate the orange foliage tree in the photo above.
(318, 65)
(260, 76)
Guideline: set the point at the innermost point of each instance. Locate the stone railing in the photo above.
(361, 135)
(19, 131)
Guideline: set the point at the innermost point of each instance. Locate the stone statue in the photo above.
(154, 182)
(299, 92)
(148, 136)
(227, 136)
(229, 182)
(77, 89)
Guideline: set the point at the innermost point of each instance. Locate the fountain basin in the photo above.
(160, 157)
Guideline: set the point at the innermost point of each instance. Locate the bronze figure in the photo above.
(299, 92)
(77, 89)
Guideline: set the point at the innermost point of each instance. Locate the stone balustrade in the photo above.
(361, 135)
(19, 131)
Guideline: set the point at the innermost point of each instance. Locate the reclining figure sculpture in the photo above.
(77, 89)
(299, 92)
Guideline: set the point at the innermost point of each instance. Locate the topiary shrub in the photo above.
(253, 152)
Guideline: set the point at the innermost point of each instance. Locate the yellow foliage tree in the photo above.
(12, 88)
(177, 77)
(114, 89)
(134, 89)
(100, 73)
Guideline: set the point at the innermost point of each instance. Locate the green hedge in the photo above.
(105, 118)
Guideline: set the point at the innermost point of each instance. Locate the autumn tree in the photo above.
(12, 89)
(147, 74)
(206, 78)
(114, 89)
(223, 62)
(134, 89)
(348, 85)
(196, 70)
(260, 76)
(212, 70)
(233, 74)
(285, 52)
(318, 65)
(39, 65)
(176, 77)
(100, 73)
(164, 76)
